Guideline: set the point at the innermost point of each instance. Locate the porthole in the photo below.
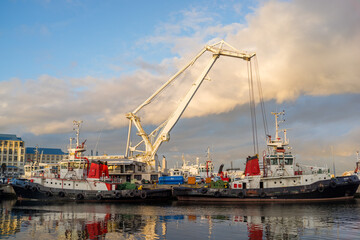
(280, 182)
(51, 182)
(305, 180)
(294, 181)
(274, 182)
(69, 184)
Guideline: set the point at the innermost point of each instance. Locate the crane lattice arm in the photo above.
(151, 148)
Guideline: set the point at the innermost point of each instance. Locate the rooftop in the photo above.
(50, 151)
(9, 137)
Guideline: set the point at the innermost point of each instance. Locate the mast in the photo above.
(77, 130)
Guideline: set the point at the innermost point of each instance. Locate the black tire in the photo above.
(131, 194)
(117, 195)
(217, 194)
(204, 190)
(99, 197)
(79, 196)
(240, 195)
(349, 180)
(321, 188)
(262, 194)
(333, 184)
(34, 188)
(48, 194)
(27, 186)
(61, 194)
(143, 195)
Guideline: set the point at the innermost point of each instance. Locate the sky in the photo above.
(98, 60)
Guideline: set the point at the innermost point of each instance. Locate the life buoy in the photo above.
(99, 197)
(320, 188)
(79, 196)
(143, 195)
(203, 190)
(61, 194)
(118, 195)
(217, 194)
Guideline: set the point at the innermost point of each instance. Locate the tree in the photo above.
(3, 168)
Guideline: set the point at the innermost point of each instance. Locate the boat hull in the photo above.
(27, 190)
(6, 192)
(341, 188)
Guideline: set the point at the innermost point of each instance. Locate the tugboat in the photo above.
(281, 180)
(81, 179)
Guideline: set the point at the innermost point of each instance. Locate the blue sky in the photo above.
(80, 38)
(97, 60)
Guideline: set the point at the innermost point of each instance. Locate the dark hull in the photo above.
(341, 188)
(35, 191)
(6, 192)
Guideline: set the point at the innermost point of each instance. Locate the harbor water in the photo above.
(175, 220)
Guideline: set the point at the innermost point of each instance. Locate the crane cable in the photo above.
(252, 107)
(262, 104)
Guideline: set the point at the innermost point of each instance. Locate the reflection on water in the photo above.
(37, 220)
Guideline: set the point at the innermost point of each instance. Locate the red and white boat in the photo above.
(79, 178)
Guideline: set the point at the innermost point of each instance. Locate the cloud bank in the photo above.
(303, 47)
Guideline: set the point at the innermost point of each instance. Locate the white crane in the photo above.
(163, 131)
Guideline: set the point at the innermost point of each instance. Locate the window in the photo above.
(138, 177)
(288, 161)
(274, 161)
(154, 177)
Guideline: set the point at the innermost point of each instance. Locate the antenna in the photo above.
(332, 154)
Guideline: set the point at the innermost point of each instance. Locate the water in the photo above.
(174, 220)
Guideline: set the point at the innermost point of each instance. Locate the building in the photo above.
(44, 155)
(12, 154)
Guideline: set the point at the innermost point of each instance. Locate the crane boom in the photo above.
(151, 148)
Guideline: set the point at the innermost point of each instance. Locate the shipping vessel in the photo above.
(281, 180)
(82, 179)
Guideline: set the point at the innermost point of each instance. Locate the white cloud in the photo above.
(303, 48)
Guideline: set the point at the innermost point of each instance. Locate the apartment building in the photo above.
(44, 155)
(12, 154)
